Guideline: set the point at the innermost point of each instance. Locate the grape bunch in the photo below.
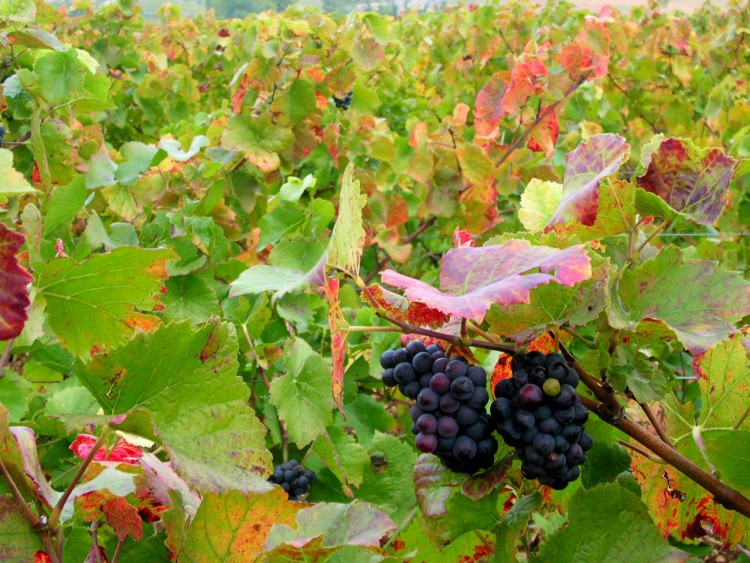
(293, 478)
(449, 416)
(345, 102)
(538, 412)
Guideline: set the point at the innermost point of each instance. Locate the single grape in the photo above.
(447, 427)
(530, 396)
(388, 379)
(524, 420)
(556, 463)
(424, 380)
(536, 358)
(586, 441)
(456, 368)
(529, 435)
(415, 412)
(432, 348)
(465, 448)
(386, 360)
(521, 378)
(565, 416)
(571, 432)
(466, 416)
(580, 413)
(426, 443)
(404, 373)
(461, 388)
(415, 347)
(400, 356)
(422, 362)
(551, 387)
(561, 444)
(477, 375)
(549, 426)
(544, 443)
(438, 366)
(428, 400)
(440, 383)
(427, 424)
(479, 429)
(478, 399)
(445, 444)
(532, 455)
(411, 390)
(505, 388)
(542, 413)
(538, 375)
(486, 447)
(573, 378)
(449, 404)
(567, 396)
(575, 455)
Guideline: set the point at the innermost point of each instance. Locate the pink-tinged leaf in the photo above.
(473, 279)
(488, 110)
(543, 137)
(14, 298)
(462, 238)
(689, 179)
(589, 53)
(338, 325)
(123, 518)
(522, 85)
(433, 483)
(159, 478)
(585, 168)
(479, 486)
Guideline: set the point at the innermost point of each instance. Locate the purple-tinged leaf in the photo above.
(473, 279)
(479, 486)
(434, 484)
(690, 180)
(14, 298)
(585, 168)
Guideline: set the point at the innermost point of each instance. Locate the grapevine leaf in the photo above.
(337, 326)
(189, 297)
(543, 137)
(358, 523)
(66, 202)
(646, 379)
(101, 172)
(342, 455)
(513, 523)
(298, 100)
(138, 158)
(473, 279)
(12, 181)
(433, 483)
(232, 526)
(700, 313)
(607, 459)
(476, 165)
(302, 396)
(14, 298)
(402, 309)
(479, 486)
(552, 305)
(388, 481)
(522, 85)
(628, 536)
(123, 518)
(729, 452)
(258, 140)
(277, 279)
(367, 54)
(107, 290)
(174, 149)
(186, 379)
(18, 538)
(585, 168)
(61, 74)
(690, 180)
(348, 237)
(14, 394)
(488, 109)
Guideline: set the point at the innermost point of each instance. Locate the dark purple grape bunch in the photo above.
(538, 412)
(450, 418)
(345, 102)
(293, 478)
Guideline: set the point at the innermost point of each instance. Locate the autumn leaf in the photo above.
(14, 298)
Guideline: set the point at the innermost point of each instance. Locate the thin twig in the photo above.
(656, 424)
(642, 452)
(94, 532)
(118, 549)
(30, 516)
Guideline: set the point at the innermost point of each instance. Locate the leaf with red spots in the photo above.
(473, 279)
(690, 180)
(585, 168)
(402, 309)
(337, 325)
(123, 518)
(488, 109)
(523, 83)
(113, 293)
(701, 313)
(14, 298)
(238, 96)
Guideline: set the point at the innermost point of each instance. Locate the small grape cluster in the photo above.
(293, 478)
(538, 412)
(449, 416)
(345, 102)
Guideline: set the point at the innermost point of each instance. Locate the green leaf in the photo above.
(18, 538)
(279, 280)
(258, 139)
(14, 394)
(539, 202)
(61, 75)
(233, 526)
(101, 172)
(97, 302)
(646, 379)
(187, 378)
(293, 188)
(299, 100)
(701, 313)
(607, 459)
(606, 523)
(336, 524)
(138, 159)
(65, 204)
(348, 237)
(342, 455)
(302, 396)
(729, 452)
(17, 10)
(513, 524)
(189, 297)
(11, 181)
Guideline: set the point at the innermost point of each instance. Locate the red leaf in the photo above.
(41, 557)
(522, 85)
(544, 136)
(488, 110)
(14, 298)
(239, 95)
(338, 342)
(401, 309)
(473, 279)
(462, 238)
(588, 53)
(123, 518)
(122, 452)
